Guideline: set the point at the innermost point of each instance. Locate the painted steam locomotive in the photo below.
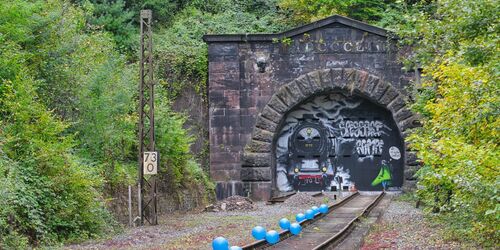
(311, 156)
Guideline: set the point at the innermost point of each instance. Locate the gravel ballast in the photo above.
(402, 226)
(196, 230)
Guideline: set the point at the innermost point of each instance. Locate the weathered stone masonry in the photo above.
(254, 80)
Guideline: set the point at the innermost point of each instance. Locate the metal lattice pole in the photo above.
(147, 186)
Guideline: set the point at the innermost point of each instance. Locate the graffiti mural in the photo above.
(384, 177)
(333, 142)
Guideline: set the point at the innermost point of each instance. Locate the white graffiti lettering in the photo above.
(356, 129)
(369, 146)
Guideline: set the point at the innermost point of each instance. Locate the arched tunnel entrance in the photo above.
(334, 141)
(334, 96)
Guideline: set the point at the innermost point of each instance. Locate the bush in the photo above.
(48, 197)
(48, 193)
(181, 52)
(456, 44)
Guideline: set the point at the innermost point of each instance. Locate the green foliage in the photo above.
(181, 52)
(68, 126)
(68, 109)
(163, 11)
(459, 146)
(113, 16)
(48, 196)
(305, 11)
(88, 84)
(456, 42)
(172, 142)
(178, 170)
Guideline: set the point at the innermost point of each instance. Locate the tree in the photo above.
(456, 42)
(46, 194)
(305, 11)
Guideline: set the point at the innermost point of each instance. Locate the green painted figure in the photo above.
(384, 176)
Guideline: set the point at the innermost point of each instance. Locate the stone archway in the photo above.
(258, 161)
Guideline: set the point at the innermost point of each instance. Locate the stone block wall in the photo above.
(245, 71)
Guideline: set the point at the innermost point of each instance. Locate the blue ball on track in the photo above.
(295, 228)
(272, 237)
(259, 233)
(220, 243)
(309, 214)
(235, 248)
(300, 217)
(284, 224)
(315, 209)
(323, 208)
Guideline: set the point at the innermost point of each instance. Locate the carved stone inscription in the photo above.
(338, 40)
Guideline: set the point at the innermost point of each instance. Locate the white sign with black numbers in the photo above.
(150, 162)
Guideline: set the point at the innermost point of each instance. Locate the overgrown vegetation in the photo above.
(68, 126)
(68, 76)
(304, 11)
(48, 195)
(181, 51)
(457, 44)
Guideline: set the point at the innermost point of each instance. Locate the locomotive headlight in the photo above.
(296, 170)
(324, 169)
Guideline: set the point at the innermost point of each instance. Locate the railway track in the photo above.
(281, 199)
(325, 230)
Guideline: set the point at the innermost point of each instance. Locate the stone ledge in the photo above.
(256, 159)
(396, 105)
(402, 114)
(410, 171)
(277, 104)
(412, 159)
(409, 123)
(256, 174)
(262, 135)
(379, 90)
(389, 96)
(271, 114)
(258, 147)
(303, 83)
(265, 124)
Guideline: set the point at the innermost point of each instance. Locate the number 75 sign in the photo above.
(150, 162)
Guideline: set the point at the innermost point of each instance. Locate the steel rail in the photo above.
(338, 237)
(261, 244)
(283, 198)
(317, 194)
(280, 199)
